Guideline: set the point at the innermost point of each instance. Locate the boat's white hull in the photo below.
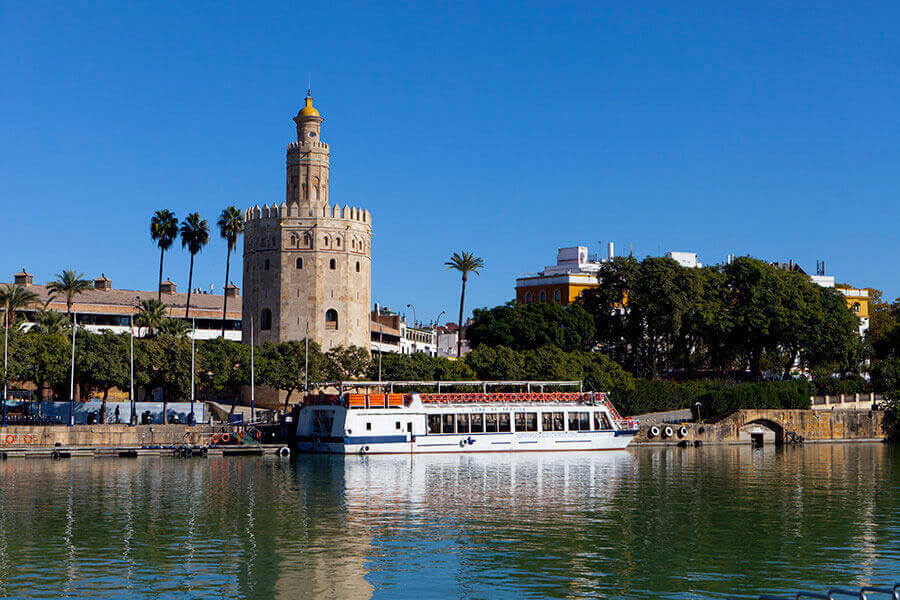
(467, 443)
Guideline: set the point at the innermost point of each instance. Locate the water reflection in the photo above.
(712, 522)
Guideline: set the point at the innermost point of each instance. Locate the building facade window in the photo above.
(332, 264)
(331, 319)
(527, 297)
(265, 319)
(556, 296)
(300, 262)
(543, 297)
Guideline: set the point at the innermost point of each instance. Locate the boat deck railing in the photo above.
(863, 593)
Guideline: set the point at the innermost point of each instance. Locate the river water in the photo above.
(712, 522)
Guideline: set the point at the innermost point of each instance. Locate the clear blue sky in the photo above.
(508, 130)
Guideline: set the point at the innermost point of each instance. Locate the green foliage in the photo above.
(15, 298)
(654, 316)
(531, 326)
(886, 374)
(346, 363)
(151, 316)
(69, 284)
(177, 328)
(770, 395)
(283, 366)
(833, 386)
(419, 367)
(101, 361)
(50, 322)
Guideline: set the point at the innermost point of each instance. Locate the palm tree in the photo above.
(151, 315)
(231, 225)
(69, 284)
(465, 263)
(178, 328)
(164, 231)
(50, 322)
(194, 235)
(15, 298)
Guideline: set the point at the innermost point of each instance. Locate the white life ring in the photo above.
(654, 431)
(683, 431)
(667, 432)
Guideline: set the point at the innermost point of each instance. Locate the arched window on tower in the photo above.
(331, 319)
(307, 240)
(357, 266)
(353, 244)
(265, 320)
(325, 241)
(337, 242)
(267, 264)
(332, 264)
(299, 262)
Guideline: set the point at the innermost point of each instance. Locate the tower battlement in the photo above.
(294, 210)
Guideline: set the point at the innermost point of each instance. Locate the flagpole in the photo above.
(252, 375)
(72, 374)
(193, 335)
(133, 419)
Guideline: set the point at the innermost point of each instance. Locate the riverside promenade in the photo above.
(125, 440)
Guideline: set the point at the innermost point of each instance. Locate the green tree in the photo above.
(101, 361)
(194, 235)
(530, 326)
(284, 366)
(151, 316)
(50, 322)
(163, 231)
(177, 328)
(15, 299)
(465, 263)
(224, 367)
(346, 363)
(69, 284)
(231, 225)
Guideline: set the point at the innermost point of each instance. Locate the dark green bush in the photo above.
(834, 387)
(769, 395)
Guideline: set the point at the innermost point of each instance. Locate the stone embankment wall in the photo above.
(25, 436)
(812, 425)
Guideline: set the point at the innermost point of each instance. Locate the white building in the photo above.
(391, 333)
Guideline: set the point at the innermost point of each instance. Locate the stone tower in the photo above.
(307, 262)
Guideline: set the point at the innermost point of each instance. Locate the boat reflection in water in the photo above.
(711, 522)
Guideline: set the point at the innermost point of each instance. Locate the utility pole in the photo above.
(133, 420)
(252, 374)
(193, 335)
(5, 344)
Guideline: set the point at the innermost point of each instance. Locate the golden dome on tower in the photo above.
(308, 110)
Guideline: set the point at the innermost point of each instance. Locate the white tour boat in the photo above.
(374, 422)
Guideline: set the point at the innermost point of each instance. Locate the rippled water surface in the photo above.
(667, 523)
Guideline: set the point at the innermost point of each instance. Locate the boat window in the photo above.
(448, 423)
(546, 421)
(477, 423)
(323, 420)
(531, 421)
(559, 422)
(503, 422)
(520, 421)
(490, 422)
(584, 421)
(368, 426)
(601, 421)
(434, 423)
(573, 421)
(398, 424)
(462, 423)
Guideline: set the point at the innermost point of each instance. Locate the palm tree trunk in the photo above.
(459, 328)
(225, 291)
(159, 283)
(187, 307)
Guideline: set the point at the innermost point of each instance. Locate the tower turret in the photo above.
(307, 164)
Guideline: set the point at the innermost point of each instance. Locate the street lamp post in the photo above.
(193, 336)
(413, 307)
(72, 374)
(437, 333)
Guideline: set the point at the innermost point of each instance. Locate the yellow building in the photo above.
(563, 282)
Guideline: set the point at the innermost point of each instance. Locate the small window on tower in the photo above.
(337, 242)
(265, 319)
(357, 266)
(267, 264)
(300, 262)
(332, 265)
